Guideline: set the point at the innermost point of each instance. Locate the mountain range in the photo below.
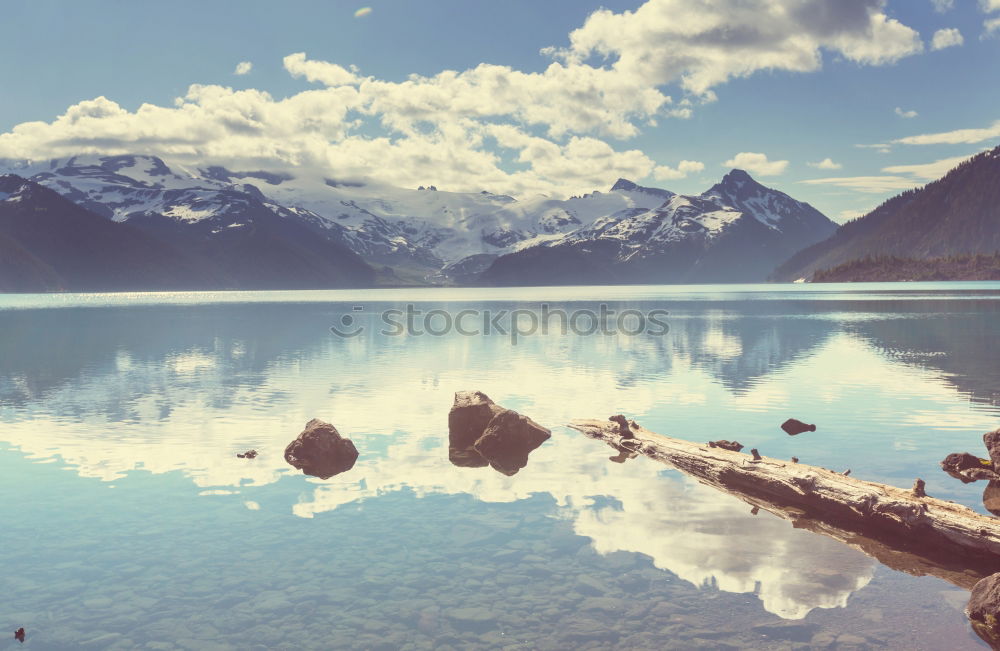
(128, 222)
(736, 231)
(136, 222)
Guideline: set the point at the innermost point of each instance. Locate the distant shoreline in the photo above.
(897, 269)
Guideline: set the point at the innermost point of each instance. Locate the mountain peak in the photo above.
(737, 176)
(625, 185)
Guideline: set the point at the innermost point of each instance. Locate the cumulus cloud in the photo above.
(946, 38)
(906, 114)
(942, 6)
(243, 68)
(757, 163)
(685, 167)
(703, 44)
(990, 5)
(608, 83)
(825, 164)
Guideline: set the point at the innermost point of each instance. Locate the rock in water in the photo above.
(984, 609)
(992, 441)
(968, 467)
(508, 440)
(466, 458)
(991, 497)
(481, 432)
(794, 427)
(468, 418)
(19, 634)
(321, 451)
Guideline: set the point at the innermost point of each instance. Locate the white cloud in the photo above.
(243, 68)
(870, 184)
(703, 44)
(440, 126)
(906, 114)
(946, 38)
(880, 147)
(328, 74)
(847, 215)
(826, 164)
(927, 171)
(958, 136)
(685, 167)
(899, 177)
(991, 26)
(942, 6)
(757, 164)
(989, 5)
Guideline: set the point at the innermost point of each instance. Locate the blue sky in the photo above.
(770, 85)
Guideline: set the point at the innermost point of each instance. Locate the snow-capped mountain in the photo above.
(737, 231)
(48, 242)
(424, 232)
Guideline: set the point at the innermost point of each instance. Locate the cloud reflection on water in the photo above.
(185, 389)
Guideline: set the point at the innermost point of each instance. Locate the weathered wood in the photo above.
(898, 527)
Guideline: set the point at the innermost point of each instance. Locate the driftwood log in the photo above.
(900, 528)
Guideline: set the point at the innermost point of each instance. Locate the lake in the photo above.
(129, 522)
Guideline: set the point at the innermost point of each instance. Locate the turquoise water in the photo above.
(130, 523)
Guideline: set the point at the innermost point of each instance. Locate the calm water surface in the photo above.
(128, 522)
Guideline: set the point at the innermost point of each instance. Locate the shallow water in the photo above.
(130, 523)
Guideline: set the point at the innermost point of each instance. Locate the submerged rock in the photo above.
(481, 433)
(321, 451)
(795, 427)
(466, 458)
(249, 454)
(968, 467)
(19, 634)
(984, 609)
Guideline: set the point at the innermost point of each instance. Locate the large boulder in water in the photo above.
(321, 451)
(508, 440)
(471, 412)
(984, 609)
(481, 432)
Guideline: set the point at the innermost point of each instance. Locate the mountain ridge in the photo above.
(733, 232)
(249, 222)
(954, 215)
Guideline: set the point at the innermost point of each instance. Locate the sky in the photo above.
(841, 103)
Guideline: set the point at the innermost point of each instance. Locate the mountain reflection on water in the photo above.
(893, 386)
